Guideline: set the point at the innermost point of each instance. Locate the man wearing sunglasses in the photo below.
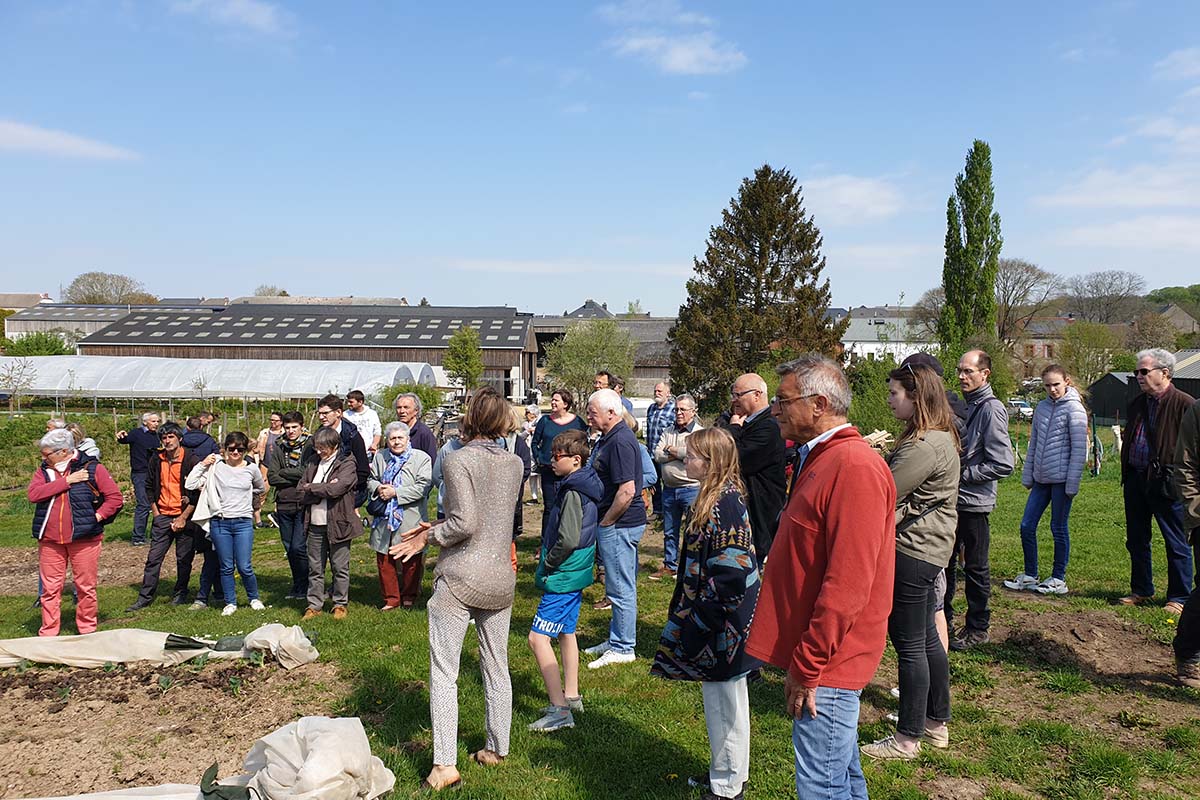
(987, 456)
(1147, 477)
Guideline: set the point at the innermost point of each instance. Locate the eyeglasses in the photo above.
(1144, 372)
(736, 395)
(324, 413)
(235, 449)
(783, 401)
(962, 371)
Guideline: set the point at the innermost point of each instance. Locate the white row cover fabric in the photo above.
(186, 378)
(314, 758)
(289, 646)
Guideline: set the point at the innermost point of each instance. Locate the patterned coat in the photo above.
(715, 594)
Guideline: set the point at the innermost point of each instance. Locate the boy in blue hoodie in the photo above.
(564, 571)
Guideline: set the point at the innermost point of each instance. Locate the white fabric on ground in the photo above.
(126, 645)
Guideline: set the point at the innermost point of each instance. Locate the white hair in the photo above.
(1162, 358)
(392, 427)
(56, 423)
(686, 398)
(146, 417)
(817, 375)
(58, 439)
(533, 409)
(416, 401)
(606, 400)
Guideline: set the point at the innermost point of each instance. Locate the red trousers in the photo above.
(84, 558)
(400, 581)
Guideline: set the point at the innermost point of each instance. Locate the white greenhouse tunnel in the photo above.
(187, 378)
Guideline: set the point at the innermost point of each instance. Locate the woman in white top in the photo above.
(231, 527)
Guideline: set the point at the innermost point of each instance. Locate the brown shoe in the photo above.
(311, 613)
(603, 604)
(662, 573)
(1188, 673)
(1175, 609)
(339, 612)
(1133, 600)
(486, 758)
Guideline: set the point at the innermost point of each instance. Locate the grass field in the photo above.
(1036, 714)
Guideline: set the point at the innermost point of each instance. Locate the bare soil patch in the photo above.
(73, 730)
(120, 564)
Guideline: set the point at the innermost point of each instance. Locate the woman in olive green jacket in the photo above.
(925, 467)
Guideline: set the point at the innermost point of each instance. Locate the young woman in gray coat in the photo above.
(399, 482)
(1053, 469)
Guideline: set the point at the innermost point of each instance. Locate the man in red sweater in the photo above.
(827, 589)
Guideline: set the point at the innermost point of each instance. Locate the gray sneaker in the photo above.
(558, 717)
(573, 703)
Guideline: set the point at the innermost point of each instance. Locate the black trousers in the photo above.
(161, 538)
(550, 483)
(972, 538)
(923, 666)
(1187, 635)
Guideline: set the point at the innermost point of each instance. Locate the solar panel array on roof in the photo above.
(74, 312)
(337, 326)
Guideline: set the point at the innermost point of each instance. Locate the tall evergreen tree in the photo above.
(973, 245)
(758, 289)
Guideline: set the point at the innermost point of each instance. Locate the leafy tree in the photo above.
(869, 410)
(758, 289)
(634, 308)
(973, 245)
(464, 359)
(1023, 291)
(1110, 297)
(424, 301)
(431, 397)
(1088, 350)
(588, 347)
(39, 343)
(270, 290)
(1186, 297)
(1123, 361)
(105, 288)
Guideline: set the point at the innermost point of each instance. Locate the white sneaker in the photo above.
(1022, 583)
(1052, 586)
(895, 692)
(257, 604)
(228, 610)
(598, 649)
(611, 657)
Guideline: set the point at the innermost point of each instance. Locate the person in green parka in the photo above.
(564, 571)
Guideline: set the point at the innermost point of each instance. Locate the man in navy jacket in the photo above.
(141, 440)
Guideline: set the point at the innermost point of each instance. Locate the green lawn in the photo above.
(1023, 727)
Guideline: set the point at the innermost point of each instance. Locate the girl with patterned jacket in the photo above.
(716, 591)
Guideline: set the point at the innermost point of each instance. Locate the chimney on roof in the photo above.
(604, 306)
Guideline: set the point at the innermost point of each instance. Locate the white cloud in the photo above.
(651, 12)
(682, 54)
(1183, 135)
(848, 199)
(254, 16)
(1179, 65)
(1149, 232)
(19, 137)
(1144, 186)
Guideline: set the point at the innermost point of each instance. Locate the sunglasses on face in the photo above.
(235, 449)
(1144, 372)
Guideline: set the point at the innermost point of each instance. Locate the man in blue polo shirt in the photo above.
(142, 440)
(618, 462)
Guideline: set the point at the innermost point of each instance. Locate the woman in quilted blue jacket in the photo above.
(1053, 468)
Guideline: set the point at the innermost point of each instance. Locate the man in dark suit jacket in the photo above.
(762, 458)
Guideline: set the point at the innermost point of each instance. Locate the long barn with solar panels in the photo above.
(326, 333)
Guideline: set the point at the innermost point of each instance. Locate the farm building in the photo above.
(326, 333)
(1109, 397)
(75, 321)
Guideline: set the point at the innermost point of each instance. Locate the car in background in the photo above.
(1019, 408)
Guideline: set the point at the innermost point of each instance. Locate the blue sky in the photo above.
(538, 154)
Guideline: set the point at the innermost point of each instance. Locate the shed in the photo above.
(1109, 397)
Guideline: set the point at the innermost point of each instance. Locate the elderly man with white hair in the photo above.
(1147, 477)
(74, 496)
(617, 459)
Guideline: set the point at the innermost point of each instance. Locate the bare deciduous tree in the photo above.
(106, 288)
(925, 314)
(1023, 290)
(1151, 330)
(1108, 297)
(16, 379)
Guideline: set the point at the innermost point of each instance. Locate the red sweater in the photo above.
(827, 586)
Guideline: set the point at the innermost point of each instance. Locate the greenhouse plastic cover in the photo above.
(136, 376)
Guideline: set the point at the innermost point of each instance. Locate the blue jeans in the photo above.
(675, 501)
(233, 539)
(291, 532)
(1042, 495)
(826, 748)
(1140, 508)
(618, 546)
(141, 508)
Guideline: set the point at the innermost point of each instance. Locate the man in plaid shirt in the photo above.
(659, 415)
